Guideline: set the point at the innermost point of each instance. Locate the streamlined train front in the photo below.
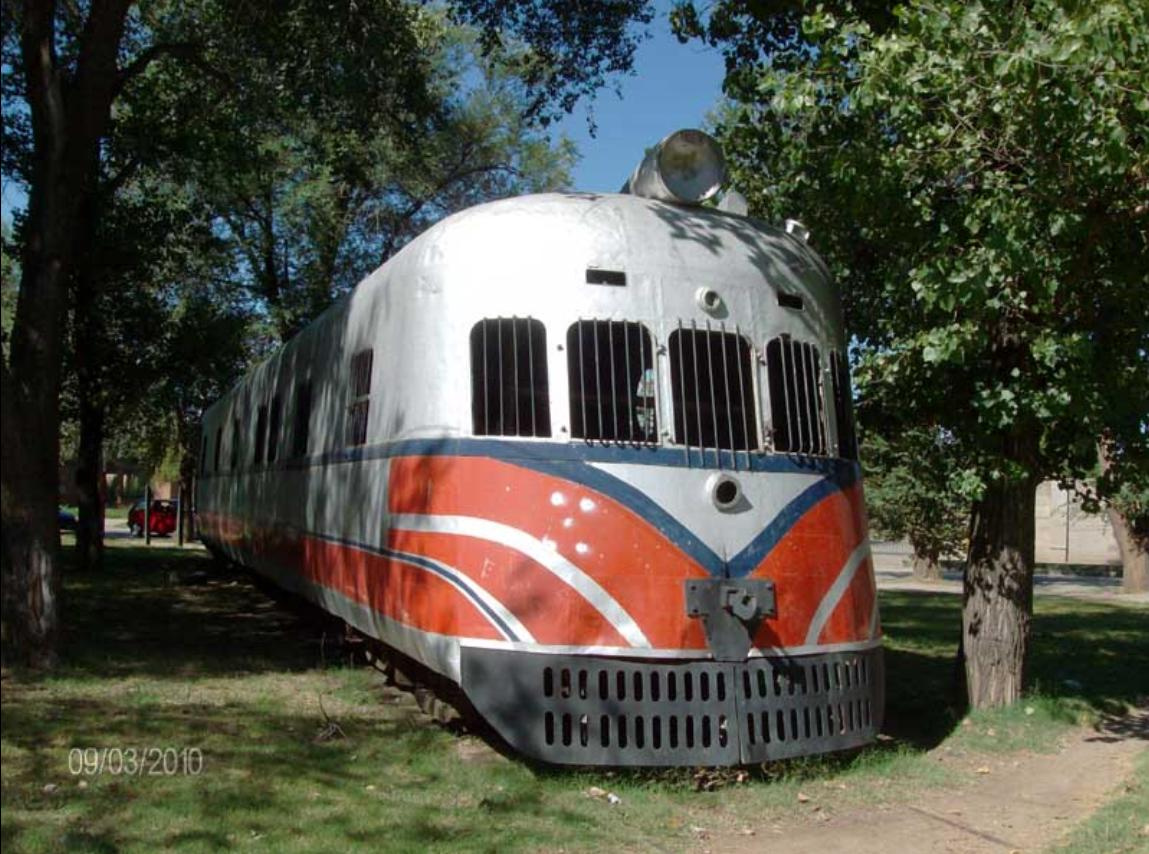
(592, 459)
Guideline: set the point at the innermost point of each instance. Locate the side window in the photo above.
(234, 444)
(302, 426)
(273, 417)
(610, 367)
(509, 389)
(260, 434)
(713, 386)
(218, 447)
(797, 411)
(360, 406)
(843, 407)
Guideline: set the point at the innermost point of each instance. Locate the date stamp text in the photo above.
(135, 761)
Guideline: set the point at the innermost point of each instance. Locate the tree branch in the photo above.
(189, 52)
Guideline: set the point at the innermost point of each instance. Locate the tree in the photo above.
(976, 175)
(153, 249)
(1128, 507)
(68, 72)
(65, 65)
(309, 217)
(911, 494)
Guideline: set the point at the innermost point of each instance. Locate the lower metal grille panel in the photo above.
(596, 710)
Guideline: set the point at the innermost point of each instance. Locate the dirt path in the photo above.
(1016, 804)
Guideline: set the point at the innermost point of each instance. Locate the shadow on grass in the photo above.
(166, 612)
(265, 776)
(157, 618)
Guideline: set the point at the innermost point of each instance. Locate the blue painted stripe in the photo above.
(633, 499)
(511, 449)
(747, 560)
(574, 461)
(430, 566)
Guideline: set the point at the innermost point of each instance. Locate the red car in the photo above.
(162, 519)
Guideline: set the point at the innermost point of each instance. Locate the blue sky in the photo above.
(674, 86)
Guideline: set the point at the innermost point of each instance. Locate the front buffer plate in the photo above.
(600, 710)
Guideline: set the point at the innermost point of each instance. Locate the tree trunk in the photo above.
(998, 594)
(927, 564)
(31, 538)
(87, 323)
(1134, 556)
(188, 464)
(68, 111)
(89, 484)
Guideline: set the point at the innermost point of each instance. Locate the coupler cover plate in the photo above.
(731, 611)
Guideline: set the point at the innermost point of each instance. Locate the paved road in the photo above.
(892, 568)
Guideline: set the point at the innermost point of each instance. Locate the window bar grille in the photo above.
(806, 378)
(682, 390)
(653, 391)
(819, 404)
(784, 357)
(799, 391)
(514, 354)
(811, 392)
(499, 341)
(713, 396)
(796, 379)
(746, 425)
(632, 414)
(486, 392)
(729, 394)
(597, 377)
(697, 391)
(582, 377)
(531, 376)
(615, 432)
(815, 394)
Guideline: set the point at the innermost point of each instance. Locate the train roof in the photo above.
(521, 246)
(570, 232)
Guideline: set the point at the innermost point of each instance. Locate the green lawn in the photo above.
(1119, 827)
(302, 751)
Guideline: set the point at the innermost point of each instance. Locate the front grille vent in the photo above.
(593, 710)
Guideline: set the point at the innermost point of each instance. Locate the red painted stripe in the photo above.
(550, 609)
(406, 593)
(620, 550)
(626, 555)
(804, 565)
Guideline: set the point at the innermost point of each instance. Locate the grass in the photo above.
(1119, 827)
(302, 751)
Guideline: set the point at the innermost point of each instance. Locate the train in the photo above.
(590, 460)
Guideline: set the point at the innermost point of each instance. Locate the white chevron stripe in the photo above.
(469, 588)
(837, 590)
(520, 541)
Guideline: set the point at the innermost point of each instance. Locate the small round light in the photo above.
(708, 299)
(725, 491)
